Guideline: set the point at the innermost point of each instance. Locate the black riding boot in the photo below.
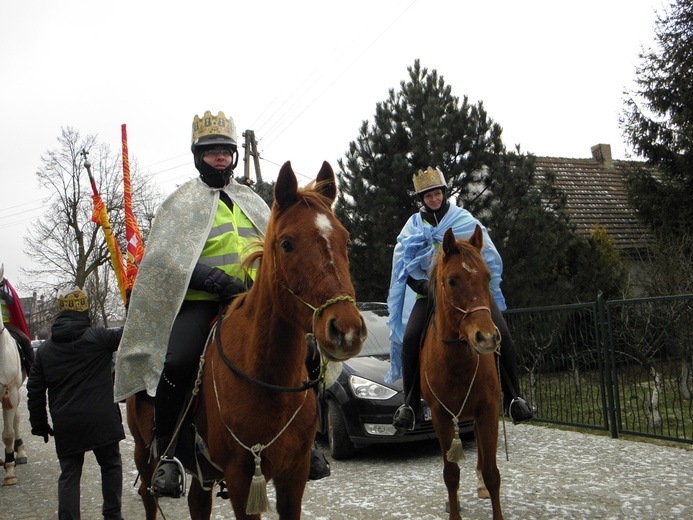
(513, 404)
(406, 415)
(169, 475)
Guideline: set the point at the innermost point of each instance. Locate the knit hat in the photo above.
(73, 300)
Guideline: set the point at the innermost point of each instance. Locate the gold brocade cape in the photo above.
(176, 240)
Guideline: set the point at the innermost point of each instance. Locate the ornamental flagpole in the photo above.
(100, 217)
(135, 248)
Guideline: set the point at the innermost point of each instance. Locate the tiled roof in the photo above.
(597, 196)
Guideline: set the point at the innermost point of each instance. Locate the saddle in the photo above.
(26, 351)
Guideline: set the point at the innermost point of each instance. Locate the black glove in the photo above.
(218, 282)
(42, 431)
(214, 280)
(418, 286)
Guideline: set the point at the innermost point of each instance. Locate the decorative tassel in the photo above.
(455, 453)
(6, 403)
(257, 497)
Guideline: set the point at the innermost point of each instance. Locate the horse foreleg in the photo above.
(20, 453)
(146, 470)
(199, 501)
(238, 486)
(8, 439)
(290, 489)
(451, 471)
(451, 476)
(486, 432)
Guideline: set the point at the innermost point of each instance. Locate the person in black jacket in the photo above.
(75, 367)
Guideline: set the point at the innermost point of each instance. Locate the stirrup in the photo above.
(169, 479)
(522, 411)
(404, 418)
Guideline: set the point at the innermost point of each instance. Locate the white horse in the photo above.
(11, 378)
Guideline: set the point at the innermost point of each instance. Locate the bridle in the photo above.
(310, 337)
(464, 312)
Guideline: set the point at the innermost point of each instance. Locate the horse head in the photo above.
(463, 298)
(307, 247)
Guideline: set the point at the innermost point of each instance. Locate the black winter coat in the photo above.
(75, 367)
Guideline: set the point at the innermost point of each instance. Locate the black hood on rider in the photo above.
(210, 175)
(445, 198)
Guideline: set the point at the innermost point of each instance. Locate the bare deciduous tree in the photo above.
(69, 249)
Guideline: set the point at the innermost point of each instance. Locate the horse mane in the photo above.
(463, 248)
(311, 195)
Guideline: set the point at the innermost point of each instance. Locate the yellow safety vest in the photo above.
(231, 239)
(5, 311)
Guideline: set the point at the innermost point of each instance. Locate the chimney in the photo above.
(602, 154)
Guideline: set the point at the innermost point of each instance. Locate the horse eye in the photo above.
(286, 245)
(451, 282)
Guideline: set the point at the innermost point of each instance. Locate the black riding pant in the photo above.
(412, 341)
(185, 345)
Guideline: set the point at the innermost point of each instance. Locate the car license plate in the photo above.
(426, 413)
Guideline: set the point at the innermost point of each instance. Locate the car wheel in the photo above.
(341, 446)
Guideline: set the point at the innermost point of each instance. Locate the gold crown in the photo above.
(73, 300)
(427, 180)
(210, 125)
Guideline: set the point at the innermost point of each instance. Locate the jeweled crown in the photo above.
(209, 125)
(73, 300)
(429, 179)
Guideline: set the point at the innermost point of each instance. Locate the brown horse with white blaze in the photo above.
(256, 412)
(459, 378)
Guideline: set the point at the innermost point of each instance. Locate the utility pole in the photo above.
(250, 146)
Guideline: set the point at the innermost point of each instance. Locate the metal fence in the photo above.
(622, 366)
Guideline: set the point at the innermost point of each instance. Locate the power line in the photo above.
(273, 138)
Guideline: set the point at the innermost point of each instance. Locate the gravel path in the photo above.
(551, 474)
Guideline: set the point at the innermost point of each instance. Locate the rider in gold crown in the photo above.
(408, 302)
(191, 265)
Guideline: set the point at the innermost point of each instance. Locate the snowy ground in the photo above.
(551, 474)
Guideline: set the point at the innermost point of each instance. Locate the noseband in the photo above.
(464, 312)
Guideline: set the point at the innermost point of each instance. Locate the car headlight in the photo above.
(366, 389)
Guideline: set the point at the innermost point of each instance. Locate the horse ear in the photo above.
(325, 182)
(286, 186)
(477, 238)
(449, 242)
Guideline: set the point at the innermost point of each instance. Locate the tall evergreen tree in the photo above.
(657, 121)
(424, 124)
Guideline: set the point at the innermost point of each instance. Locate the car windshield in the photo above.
(378, 341)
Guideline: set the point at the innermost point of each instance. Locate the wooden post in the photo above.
(250, 145)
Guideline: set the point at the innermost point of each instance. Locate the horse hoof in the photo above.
(447, 506)
(20, 460)
(10, 481)
(483, 493)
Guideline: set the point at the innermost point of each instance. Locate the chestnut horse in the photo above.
(459, 379)
(256, 412)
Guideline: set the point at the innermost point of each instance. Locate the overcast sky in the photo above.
(302, 74)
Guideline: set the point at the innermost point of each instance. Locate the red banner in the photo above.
(135, 248)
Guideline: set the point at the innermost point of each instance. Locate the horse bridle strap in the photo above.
(306, 384)
(465, 313)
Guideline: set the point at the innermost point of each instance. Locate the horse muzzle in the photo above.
(341, 331)
(486, 342)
